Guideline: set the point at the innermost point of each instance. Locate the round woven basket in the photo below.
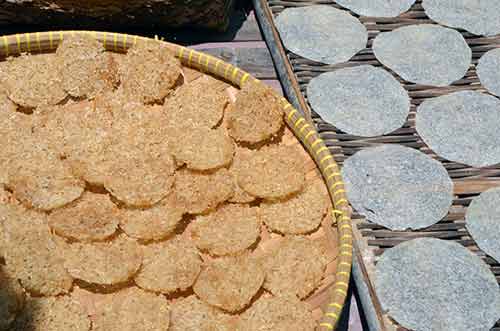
(334, 295)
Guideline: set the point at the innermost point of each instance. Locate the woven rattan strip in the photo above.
(303, 130)
(469, 182)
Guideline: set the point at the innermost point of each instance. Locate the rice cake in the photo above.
(377, 8)
(462, 127)
(149, 72)
(363, 101)
(80, 133)
(424, 54)
(139, 164)
(169, 266)
(256, 114)
(199, 192)
(192, 314)
(133, 309)
(155, 223)
(32, 255)
(103, 263)
(230, 283)
(33, 80)
(321, 33)
(478, 17)
(273, 172)
(398, 187)
(295, 267)
(6, 105)
(198, 103)
(482, 219)
(277, 314)
(11, 299)
(488, 71)
(229, 230)
(201, 148)
(52, 314)
(300, 214)
(84, 66)
(94, 217)
(241, 155)
(443, 287)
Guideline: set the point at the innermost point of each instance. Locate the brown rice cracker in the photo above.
(84, 66)
(80, 132)
(153, 223)
(198, 103)
(277, 314)
(40, 180)
(32, 255)
(200, 192)
(274, 172)
(52, 314)
(11, 299)
(149, 72)
(240, 158)
(230, 283)
(256, 115)
(6, 104)
(193, 314)
(34, 80)
(229, 230)
(139, 165)
(295, 267)
(202, 148)
(94, 217)
(133, 309)
(169, 266)
(104, 263)
(300, 214)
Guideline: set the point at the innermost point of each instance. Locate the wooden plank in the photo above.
(254, 60)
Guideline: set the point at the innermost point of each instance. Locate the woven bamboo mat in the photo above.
(372, 239)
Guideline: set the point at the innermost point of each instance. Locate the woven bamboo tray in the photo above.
(370, 239)
(329, 299)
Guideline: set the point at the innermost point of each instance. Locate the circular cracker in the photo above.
(277, 314)
(104, 263)
(272, 173)
(94, 217)
(398, 187)
(192, 314)
(345, 98)
(84, 66)
(300, 214)
(169, 266)
(424, 54)
(488, 71)
(31, 254)
(34, 80)
(478, 17)
(155, 223)
(295, 267)
(198, 103)
(431, 284)
(377, 8)
(256, 114)
(321, 33)
(133, 309)
(482, 219)
(462, 127)
(149, 72)
(52, 314)
(241, 156)
(201, 148)
(11, 299)
(199, 192)
(229, 230)
(230, 283)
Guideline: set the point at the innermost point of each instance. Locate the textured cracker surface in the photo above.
(377, 8)
(488, 71)
(241, 155)
(192, 314)
(11, 299)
